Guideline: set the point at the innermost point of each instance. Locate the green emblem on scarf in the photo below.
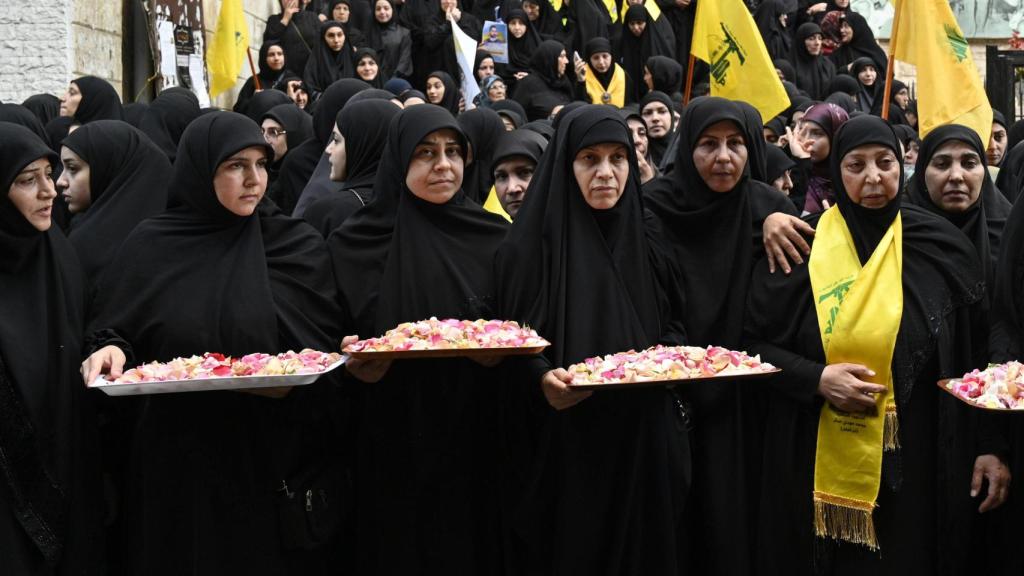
(957, 42)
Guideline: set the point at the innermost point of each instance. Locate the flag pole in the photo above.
(892, 61)
(689, 79)
(252, 68)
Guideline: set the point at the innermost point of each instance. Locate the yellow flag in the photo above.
(725, 36)
(227, 49)
(493, 205)
(926, 34)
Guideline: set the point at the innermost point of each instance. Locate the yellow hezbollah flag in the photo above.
(493, 205)
(725, 36)
(925, 33)
(227, 50)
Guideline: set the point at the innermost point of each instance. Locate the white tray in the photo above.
(207, 384)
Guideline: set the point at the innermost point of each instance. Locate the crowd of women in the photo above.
(864, 262)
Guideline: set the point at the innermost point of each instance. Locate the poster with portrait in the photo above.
(495, 40)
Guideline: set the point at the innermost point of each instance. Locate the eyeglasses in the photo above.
(273, 133)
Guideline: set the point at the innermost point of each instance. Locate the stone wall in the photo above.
(97, 34)
(35, 41)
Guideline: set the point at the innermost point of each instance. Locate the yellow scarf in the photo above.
(613, 10)
(859, 312)
(493, 205)
(616, 92)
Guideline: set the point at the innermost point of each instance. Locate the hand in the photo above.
(783, 236)
(842, 387)
(557, 393)
(646, 171)
(581, 70)
(991, 468)
(521, 75)
(107, 360)
(819, 7)
(369, 371)
(455, 14)
(798, 146)
(462, 104)
(323, 18)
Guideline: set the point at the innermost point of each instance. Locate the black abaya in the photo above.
(426, 469)
(208, 504)
(325, 65)
(483, 127)
(544, 88)
(128, 178)
(99, 100)
(613, 469)
(166, 118)
(813, 73)
(50, 516)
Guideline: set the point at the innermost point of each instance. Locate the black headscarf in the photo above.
(128, 177)
(518, 116)
(658, 39)
(777, 39)
(778, 163)
(666, 73)
(362, 125)
(844, 101)
(325, 66)
(301, 162)
(846, 84)
(702, 223)
(450, 99)
(757, 154)
(57, 130)
(18, 114)
(270, 78)
(525, 143)
(520, 50)
(42, 294)
(450, 246)
(134, 112)
(261, 102)
(544, 64)
(297, 124)
(862, 45)
(167, 117)
(813, 73)
(657, 147)
(984, 221)
(867, 95)
(549, 22)
(482, 126)
(364, 52)
(46, 107)
(786, 67)
(99, 100)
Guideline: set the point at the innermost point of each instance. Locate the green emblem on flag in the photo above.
(957, 42)
(720, 56)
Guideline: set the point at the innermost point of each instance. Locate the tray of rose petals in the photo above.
(666, 366)
(213, 371)
(1000, 387)
(450, 338)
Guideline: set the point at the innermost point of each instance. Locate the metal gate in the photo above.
(1004, 81)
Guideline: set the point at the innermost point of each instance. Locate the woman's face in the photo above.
(601, 62)
(532, 10)
(335, 38)
(340, 13)
(562, 62)
(70, 100)
(816, 141)
(637, 27)
(845, 32)
(867, 75)
(74, 179)
(507, 122)
(601, 171)
(954, 176)
(382, 11)
(902, 98)
(435, 171)
(338, 156)
(275, 58)
(435, 90)
(241, 181)
(497, 91)
(996, 144)
(367, 68)
(813, 44)
(639, 130)
(447, 5)
(720, 155)
(32, 193)
(784, 183)
(658, 118)
(842, 4)
(910, 156)
(871, 175)
(770, 136)
(276, 136)
(485, 69)
(517, 28)
(648, 78)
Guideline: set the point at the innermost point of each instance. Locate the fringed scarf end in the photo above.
(844, 519)
(891, 434)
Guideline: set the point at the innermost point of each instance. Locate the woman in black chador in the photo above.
(221, 271)
(597, 482)
(50, 492)
(426, 457)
